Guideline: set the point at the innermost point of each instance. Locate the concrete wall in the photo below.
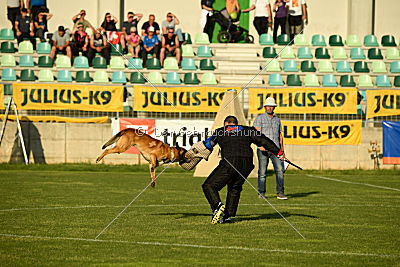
(325, 16)
(71, 143)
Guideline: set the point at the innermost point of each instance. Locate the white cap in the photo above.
(151, 29)
(270, 101)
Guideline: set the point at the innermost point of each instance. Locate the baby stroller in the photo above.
(230, 30)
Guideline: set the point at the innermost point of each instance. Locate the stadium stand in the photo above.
(64, 76)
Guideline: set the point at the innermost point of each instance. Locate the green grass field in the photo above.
(51, 214)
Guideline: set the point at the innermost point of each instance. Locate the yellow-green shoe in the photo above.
(217, 213)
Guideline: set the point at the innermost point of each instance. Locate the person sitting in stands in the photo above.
(40, 24)
(150, 45)
(60, 43)
(133, 40)
(109, 25)
(81, 43)
(24, 28)
(170, 44)
(98, 44)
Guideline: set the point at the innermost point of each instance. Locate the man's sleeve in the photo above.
(257, 122)
(144, 26)
(211, 141)
(261, 140)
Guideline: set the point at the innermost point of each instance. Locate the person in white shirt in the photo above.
(262, 16)
(296, 16)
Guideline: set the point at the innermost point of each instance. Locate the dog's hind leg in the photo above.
(152, 166)
(121, 146)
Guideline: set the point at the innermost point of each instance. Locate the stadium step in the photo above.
(239, 80)
(239, 67)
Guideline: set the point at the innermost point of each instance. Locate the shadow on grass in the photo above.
(306, 194)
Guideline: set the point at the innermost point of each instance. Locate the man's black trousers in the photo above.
(225, 174)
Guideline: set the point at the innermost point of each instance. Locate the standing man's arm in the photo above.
(257, 125)
(269, 13)
(304, 11)
(281, 143)
(262, 141)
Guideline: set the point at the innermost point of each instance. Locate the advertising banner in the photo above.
(2, 96)
(383, 103)
(391, 144)
(56, 119)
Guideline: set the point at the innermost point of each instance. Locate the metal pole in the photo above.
(20, 133)
(3, 127)
(373, 18)
(121, 13)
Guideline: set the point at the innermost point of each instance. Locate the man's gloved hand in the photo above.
(281, 155)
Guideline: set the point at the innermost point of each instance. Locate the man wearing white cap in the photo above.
(150, 45)
(270, 125)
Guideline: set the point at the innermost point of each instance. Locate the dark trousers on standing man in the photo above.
(261, 24)
(279, 22)
(225, 174)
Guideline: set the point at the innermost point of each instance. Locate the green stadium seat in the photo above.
(46, 75)
(155, 77)
(396, 82)
(388, 40)
(188, 64)
(300, 40)
(202, 39)
(100, 76)
(329, 80)
(318, 40)
(357, 53)
(135, 64)
(283, 39)
(392, 53)
(116, 50)
(272, 65)
(204, 51)
(81, 62)
(290, 66)
(322, 53)
(7, 47)
(43, 48)
(343, 66)
(311, 80)
(395, 67)
(364, 80)
(383, 81)
(339, 53)
(378, 67)
(187, 51)
(45, 62)
(153, 64)
(335, 40)
(287, 52)
(82, 76)
(207, 64)
(173, 78)
(370, 40)
(64, 76)
(187, 37)
(8, 60)
(137, 77)
(293, 80)
(266, 39)
(63, 61)
(170, 63)
(307, 66)
(117, 63)
(361, 66)
(8, 75)
(347, 81)
(26, 61)
(191, 78)
(275, 79)
(325, 66)
(353, 40)
(209, 78)
(269, 52)
(118, 77)
(304, 53)
(6, 34)
(25, 47)
(27, 75)
(374, 53)
(8, 90)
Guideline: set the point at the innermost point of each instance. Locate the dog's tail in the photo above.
(114, 139)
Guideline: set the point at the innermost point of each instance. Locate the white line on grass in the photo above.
(344, 253)
(348, 182)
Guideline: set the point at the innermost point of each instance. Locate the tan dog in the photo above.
(153, 150)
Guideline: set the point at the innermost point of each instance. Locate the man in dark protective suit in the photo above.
(235, 165)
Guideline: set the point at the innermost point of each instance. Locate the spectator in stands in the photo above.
(81, 43)
(150, 23)
(133, 40)
(170, 44)
(205, 17)
(13, 10)
(24, 28)
(297, 14)
(40, 24)
(80, 18)
(60, 43)
(280, 17)
(36, 6)
(262, 16)
(150, 44)
(131, 22)
(109, 25)
(170, 23)
(98, 44)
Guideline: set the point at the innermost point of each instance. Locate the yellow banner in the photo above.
(68, 96)
(178, 99)
(306, 100)
(2, 96)
(383, 103)
(56, 119)
(322, 132)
